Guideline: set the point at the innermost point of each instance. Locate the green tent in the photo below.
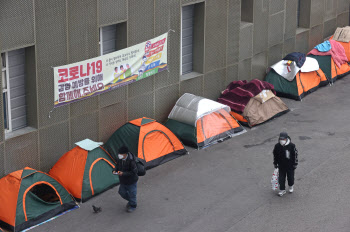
(283, 87)
(29, 197)
(330, 69)
(84, 173)
(147, 139)
(289, 81)
(325, 65)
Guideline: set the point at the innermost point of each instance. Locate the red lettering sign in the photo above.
(63, 75)
(155, 51)
(76, 72)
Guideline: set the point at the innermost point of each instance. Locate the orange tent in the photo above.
(85, 173)
(200, 122)
(29, 197)
(330, 69)
(149, 140)
(306, 80)
(346, 47)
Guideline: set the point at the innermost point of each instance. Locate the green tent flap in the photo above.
(127, 135)
(185, 132)
(325, 64)
(101, 177)
(34, 205)
(146, 120)
(281, 85)
(102, 169)
(27, 172)
(28, 183)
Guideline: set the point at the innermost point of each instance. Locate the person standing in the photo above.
(126, 169)
(285, 158)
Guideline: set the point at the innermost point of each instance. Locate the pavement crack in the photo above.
(262, 143)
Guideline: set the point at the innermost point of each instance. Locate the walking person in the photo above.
(126, 169)
(285, 158)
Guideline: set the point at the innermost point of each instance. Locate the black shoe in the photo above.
(131, 209)
(127, 206)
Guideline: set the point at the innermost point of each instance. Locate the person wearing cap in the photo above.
(126, 169)
(285, 157)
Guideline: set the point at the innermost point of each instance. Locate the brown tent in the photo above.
(263, 107)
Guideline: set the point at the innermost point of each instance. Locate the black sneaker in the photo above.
(131, 209)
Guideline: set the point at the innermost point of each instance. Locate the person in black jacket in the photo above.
(126, 169)
(285, 157)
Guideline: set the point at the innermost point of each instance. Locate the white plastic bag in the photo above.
(274, 180)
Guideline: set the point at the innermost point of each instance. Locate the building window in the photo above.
(303, 14)
(14, 89)
(192, 39)
(113, 38)
(298, 14)
(187, 39)
(247, 7)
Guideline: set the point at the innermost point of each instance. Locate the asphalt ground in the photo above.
(226, 187)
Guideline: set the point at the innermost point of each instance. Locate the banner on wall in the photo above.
(74, 82)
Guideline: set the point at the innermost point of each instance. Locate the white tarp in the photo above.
(88, 144)
(310, 65)
(290, 71)
(189, 108)
(287, 71)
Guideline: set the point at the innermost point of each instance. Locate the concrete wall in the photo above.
(66, 31)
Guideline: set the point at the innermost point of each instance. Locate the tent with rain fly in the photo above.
(200, 122)
(147, 139)
(29, 197)
(302, 82)
(85, 173)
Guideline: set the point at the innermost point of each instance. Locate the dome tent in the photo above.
(147, 139)
(330, 69)
(85, 172)
(29, 197)
(334, 63)
(306, 80)
(200, 122)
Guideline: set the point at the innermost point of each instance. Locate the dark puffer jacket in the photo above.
(129, 169)
(282, 159)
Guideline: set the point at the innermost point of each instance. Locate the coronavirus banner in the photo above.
(74, 82)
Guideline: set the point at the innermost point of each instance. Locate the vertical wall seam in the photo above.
(36, 85)
(68, 59)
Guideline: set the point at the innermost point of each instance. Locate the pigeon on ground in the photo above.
(96, 209)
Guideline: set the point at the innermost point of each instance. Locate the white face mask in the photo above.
(120, 156)
(283, 142)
